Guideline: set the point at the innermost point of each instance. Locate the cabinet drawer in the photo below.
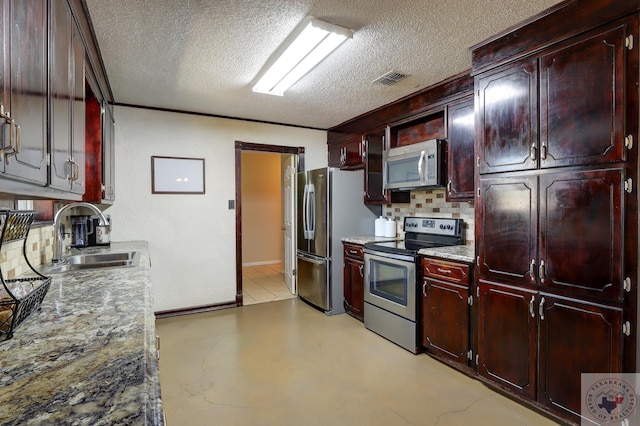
(353, 250)
(444, 270)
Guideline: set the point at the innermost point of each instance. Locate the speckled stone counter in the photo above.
(88, 357)
(368, 239)
(462, 253)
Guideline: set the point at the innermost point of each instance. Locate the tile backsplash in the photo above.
(432, 203)
(39, 251)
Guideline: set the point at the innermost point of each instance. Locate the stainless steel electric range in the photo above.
(392, 276)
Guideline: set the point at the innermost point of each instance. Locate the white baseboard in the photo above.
(267, 262)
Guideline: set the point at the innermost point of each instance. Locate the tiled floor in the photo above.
(264, 283)
(285, 363)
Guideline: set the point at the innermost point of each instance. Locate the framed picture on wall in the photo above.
(177, 175)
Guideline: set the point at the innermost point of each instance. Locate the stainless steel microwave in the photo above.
(413, 166)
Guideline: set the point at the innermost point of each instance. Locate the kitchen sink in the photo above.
(94, 260)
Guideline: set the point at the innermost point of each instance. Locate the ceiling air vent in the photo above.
(390, 78)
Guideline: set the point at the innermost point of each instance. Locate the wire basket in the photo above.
(19, 297)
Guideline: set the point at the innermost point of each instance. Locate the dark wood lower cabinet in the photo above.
(574, 338)
(446, 310)
(538, 345)
(354, 280)
(445, 324)
(507, 337)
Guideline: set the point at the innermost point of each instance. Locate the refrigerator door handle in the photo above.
(311, 259)
(312, 211)
(305, 214)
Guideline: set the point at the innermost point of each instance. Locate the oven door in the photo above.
(390, 283)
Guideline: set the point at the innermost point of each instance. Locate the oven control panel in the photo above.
(438, 226)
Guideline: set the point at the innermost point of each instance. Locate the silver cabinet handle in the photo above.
(14, 136)
(444, 271)
(449, 186)
(541, 271)
(543, 152)
(534, 152)
(532, 269)
(364, 150)
(361, 270)
(541, 309)
(533, 299)
(424, 289)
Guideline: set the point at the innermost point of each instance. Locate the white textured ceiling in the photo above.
(202, 55)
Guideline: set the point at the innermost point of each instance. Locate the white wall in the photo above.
(191, 237)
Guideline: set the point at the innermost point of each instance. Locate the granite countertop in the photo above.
(88, 356)
(368, 239)
(462, 253)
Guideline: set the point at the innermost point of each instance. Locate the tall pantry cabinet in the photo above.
(556, 210)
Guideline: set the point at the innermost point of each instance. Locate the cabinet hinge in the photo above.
(470, 355)
(627, 285)
(628, 42)
(628, 141)
(294, 273)
(626, 328)
(470, 300)
(628, 185)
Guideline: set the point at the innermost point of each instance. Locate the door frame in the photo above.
(249, 146)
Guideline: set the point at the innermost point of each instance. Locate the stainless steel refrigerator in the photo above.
(330, 207)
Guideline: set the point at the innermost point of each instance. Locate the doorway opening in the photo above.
(265, 218)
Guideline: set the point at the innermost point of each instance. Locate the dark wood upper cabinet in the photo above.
(507, 229)
(582, 99)
(23, 138)
(347, 153)
(460, 154)
(581, 233)
(374, 192)
(507, 116)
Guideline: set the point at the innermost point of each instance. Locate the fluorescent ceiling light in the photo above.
(309, 43)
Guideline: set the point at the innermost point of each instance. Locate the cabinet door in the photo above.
(581, 244)
(347, 153)
(374, 192)
(63, 102)
(574, 338)
(460, 158)
(354, 287)
(108, 156)
(25, 93)
(445, 319)
(582, 88)
(507, 229)
(507, 131)
(507, 337)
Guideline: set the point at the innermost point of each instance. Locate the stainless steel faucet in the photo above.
(57, 229)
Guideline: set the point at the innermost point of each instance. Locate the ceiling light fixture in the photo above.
(309, 43)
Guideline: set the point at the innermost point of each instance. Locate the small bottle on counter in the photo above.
(390, 228)
(380, 227)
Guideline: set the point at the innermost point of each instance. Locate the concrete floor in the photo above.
(285, 363)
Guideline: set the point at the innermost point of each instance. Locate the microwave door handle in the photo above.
(421, 162)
